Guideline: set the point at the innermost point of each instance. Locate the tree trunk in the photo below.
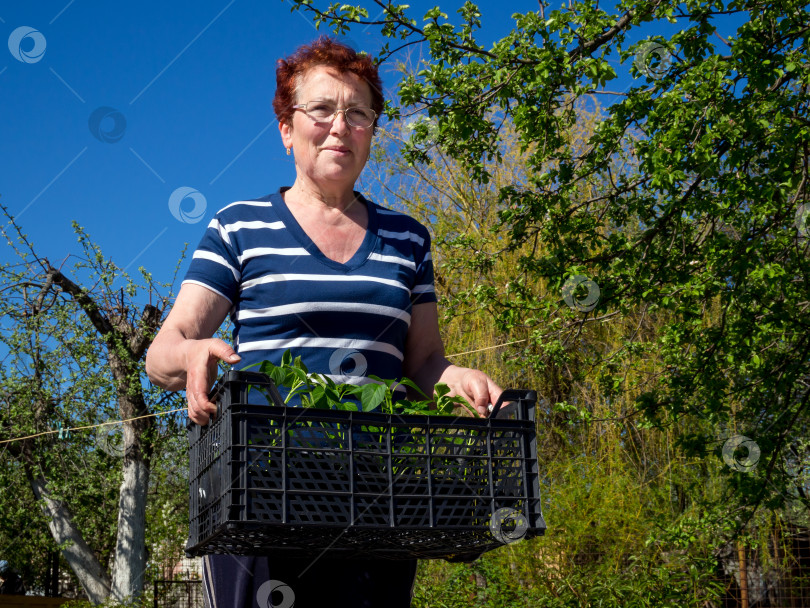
(130, 551)
(129, 562)
(88, 570)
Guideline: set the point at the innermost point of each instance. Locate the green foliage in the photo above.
(73, 358)
(684, 202)
(321, 392)
(702, 218)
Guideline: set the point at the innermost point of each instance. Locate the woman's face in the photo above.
(329, 155)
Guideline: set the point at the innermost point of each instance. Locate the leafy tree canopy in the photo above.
(688, 200)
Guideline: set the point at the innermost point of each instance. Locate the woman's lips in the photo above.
(340, 150)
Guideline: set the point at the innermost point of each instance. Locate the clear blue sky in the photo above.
(193, 82)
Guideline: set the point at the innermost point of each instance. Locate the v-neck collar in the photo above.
(360, 256)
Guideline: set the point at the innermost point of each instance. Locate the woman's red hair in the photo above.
(322, 52)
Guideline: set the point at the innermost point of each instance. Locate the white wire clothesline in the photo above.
(182, 409)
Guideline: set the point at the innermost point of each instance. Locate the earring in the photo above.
(288, 151)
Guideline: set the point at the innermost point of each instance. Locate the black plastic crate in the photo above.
(269, 478)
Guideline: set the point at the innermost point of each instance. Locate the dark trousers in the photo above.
(276, 582)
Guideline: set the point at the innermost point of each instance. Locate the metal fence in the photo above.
(775, 575)
(178, 594)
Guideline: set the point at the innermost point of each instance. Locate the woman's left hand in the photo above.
(473, 385)
(426, 364)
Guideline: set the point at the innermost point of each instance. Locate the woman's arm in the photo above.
(184, 355)
(426, 364)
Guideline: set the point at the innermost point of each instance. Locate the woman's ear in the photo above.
(286, 134)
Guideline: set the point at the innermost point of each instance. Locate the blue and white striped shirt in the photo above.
(346, 321)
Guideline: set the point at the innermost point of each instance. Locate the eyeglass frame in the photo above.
(303, 106)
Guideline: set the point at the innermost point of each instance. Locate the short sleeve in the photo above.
(215, 264)
(423, 290)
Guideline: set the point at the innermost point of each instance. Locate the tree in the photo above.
(74, 343)
(609, 485)
(708, 225)
(686, 204)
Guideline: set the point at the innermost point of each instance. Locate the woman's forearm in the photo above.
(184, 345)
(166, 360)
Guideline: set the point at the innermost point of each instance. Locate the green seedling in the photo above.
(321, 392)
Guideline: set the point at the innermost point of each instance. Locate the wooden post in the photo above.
(743, 575)
(54, 586)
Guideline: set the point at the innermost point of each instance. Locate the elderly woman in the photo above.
(318, 269)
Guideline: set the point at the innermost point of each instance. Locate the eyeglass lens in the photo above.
(324, 112)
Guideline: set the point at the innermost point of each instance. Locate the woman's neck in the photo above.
(304, 193)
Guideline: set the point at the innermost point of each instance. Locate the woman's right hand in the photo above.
(202, 367)
(184, 355)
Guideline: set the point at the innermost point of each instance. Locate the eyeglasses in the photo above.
(322, 111)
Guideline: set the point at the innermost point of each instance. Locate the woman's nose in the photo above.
(339, 124)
